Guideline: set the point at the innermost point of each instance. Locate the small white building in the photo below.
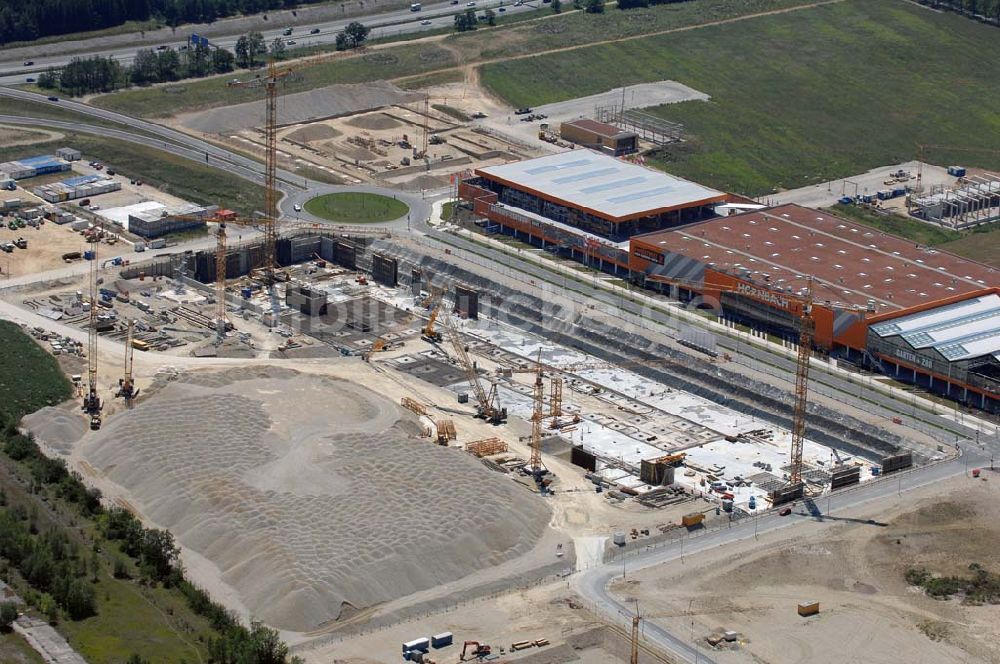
(69, 154)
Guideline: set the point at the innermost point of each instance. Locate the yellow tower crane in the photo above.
(91, 401)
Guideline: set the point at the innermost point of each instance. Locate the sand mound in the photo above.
(56, 427)
(374, 121)
(425, 182)
(310, 133)
(312, 496)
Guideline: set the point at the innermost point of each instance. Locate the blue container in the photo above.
(89, 255)
(876, 471)
(246, 293)
(899, 191)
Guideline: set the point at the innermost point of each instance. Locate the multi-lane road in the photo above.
(430, 17)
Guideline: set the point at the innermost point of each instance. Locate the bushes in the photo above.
(982, 588)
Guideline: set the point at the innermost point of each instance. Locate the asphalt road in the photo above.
(387, 24)
(593, 584)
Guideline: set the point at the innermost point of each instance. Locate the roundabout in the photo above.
(356, 207)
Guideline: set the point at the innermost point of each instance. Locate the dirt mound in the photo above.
(379, 121)
(310, 133)
(425, 182)
(348, 151)
(57, 428)
(309, 512)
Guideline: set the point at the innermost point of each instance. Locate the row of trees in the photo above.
(22, 20)
(100, 74)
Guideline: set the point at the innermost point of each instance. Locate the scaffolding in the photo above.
(486, 447)
(976, 201)
(648, 127)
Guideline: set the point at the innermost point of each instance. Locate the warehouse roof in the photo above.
(606, 187)
(850, 263)
(599, 128)
(959, 331)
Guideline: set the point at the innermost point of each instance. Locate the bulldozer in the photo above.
(478, 650)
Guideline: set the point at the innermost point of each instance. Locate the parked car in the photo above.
(110, 172)
(785, 512)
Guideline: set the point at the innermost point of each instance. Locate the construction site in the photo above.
(355, 432)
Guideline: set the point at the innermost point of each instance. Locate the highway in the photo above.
(387, 24)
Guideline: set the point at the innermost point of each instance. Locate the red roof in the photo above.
(850, 263)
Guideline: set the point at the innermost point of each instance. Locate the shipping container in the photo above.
(422, 644)
(808, 608)
(443, 639)
(693, 519)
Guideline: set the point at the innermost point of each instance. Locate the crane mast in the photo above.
(537, 412)
(807, 326)
(126, 387)
(271, 172)
(92, 402)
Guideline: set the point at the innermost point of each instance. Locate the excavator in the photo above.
(478, 650)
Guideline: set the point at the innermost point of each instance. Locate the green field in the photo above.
(356, 208)
(175, 175)
(30, 378)
(800, 97)
(15, 650)
(512, 37)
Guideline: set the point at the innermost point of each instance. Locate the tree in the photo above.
(490, 17)
(255, 47)
(49, 78)
(120, 569)
(198, 60)
(243, 51)
(136, 658)
(467, 21)
(222, 61)
(95, 566)
(556, 6)
(168, 65)
(278, 48)
(144, 67)
(81, 600)
(593, 6)
(8, 614)
(353, 36)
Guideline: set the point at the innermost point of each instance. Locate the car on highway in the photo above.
(518, 3)
(470, 4)
(314, 31)
(501, 9)
(28, 63)
(425, 22)
(290, 42)
(29, 80)
(297, 207)
(161, 47)
(454, 2)
(53, 98)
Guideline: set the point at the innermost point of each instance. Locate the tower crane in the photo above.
(270, 219)
(126, 386)
(807, 328)
(487, 403)
(538, 406)
(91, 401)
